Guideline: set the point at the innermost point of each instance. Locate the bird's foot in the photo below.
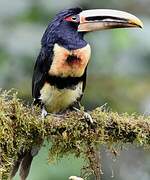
(45, 113)
(87, 116)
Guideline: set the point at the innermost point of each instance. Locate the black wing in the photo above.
(41, 69)
(84, 80)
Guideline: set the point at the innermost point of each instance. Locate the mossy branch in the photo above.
(21, 127)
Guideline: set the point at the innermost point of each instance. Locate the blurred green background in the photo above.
(118, 74)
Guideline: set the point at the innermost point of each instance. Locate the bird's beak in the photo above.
(99, 19)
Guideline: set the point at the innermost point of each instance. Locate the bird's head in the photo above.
(69, 26)
(64, 37)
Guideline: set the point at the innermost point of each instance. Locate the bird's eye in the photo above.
(72, 19)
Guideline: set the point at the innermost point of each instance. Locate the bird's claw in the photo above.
(88, 117)
(44, 113)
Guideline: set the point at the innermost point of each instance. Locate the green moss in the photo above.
(21, 127)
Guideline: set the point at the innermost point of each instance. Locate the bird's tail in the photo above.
(24, 162)
(25, 165)
(16, 165)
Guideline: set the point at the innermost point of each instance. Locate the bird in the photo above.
(59, 76)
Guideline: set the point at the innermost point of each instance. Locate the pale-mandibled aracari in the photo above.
(59, 76)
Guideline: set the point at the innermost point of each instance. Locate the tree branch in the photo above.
(21, 127)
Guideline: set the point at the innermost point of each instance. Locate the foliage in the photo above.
(21, 127)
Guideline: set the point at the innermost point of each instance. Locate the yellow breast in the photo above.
(62, 68)
(57, 100)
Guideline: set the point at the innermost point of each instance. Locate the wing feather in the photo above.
(41, 69)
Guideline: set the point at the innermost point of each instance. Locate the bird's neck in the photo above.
(71, 40)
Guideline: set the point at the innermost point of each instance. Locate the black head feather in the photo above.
(63, 33)
(68, 12)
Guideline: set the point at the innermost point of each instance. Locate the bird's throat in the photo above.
(69, 63)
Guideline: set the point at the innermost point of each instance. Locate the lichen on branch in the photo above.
(21, 127)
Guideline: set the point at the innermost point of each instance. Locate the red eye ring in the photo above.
(71, 19)
(68, 18)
